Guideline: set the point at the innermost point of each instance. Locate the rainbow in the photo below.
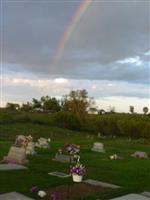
(70, 29)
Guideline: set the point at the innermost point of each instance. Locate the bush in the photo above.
(67, 120)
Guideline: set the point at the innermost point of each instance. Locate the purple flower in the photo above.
(34, 189)
(54, 196)
(78, 169)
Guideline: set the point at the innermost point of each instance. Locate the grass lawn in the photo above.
(132, 174)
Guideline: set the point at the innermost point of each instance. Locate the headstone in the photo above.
(11, 166)
(99, 135)
(16, 155)
(62, 158)
(100, 183)
(132, 197)
(140, 155)
(59, 174)
(14, 196)
(98, 147)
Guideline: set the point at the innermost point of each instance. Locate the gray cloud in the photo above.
(108, 31)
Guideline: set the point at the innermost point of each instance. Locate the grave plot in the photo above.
(100, 183)
(76, 190)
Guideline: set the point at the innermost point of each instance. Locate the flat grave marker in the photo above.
(146, 194)
(59, 174)
(14, 196)
(11, 166)
(132, 197)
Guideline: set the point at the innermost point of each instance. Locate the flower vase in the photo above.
(77, 178)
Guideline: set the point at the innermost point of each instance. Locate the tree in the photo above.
(145, 110)
(131, 108)
(12, 106)
(36, 103)
(50, 104)
(93, 110)
(78, 103)
(26, 107)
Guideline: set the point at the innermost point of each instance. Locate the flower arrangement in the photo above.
(42, 193)
(72, 149)
(43, 143)
(114, 157)
(77, 172)
(78, 169)
(22, 140)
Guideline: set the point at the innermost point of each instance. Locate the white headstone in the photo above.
(98, 147)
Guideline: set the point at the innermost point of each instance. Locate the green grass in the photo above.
(132, 174)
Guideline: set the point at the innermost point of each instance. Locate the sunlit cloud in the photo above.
(60, 81)
(135, 60)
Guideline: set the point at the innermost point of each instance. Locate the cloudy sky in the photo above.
(107, 52)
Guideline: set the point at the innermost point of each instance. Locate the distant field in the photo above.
(132, 174)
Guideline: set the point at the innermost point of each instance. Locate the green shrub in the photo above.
(67, 120)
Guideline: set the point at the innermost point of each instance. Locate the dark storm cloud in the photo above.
(108, 32)
(31, 31)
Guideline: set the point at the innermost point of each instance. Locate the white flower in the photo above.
(37, 144)
(49, 139)
(42, 193)
(114, 157)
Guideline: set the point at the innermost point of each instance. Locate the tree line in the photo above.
(77, 102)
(75, 112)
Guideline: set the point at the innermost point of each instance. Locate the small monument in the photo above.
(16, 155)
(140, 155)
(99, 135)
(98, 147)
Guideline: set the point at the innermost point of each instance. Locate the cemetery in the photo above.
(74, 100)
(56, 166)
